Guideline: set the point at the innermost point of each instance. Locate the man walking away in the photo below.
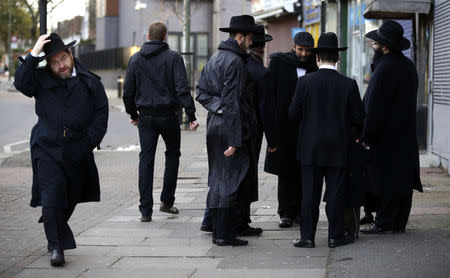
(155, 86)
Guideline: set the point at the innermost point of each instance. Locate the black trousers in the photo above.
(351, 220)
(394, 211)
(150, 127)
(241, 217)
(290, 194)
(312, 182)
(223, 223)
(57, 230)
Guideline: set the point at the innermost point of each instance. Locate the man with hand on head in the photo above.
(72, 110)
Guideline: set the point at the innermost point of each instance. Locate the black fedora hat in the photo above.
(54, 46)
(240, 23)
(390, 34)
(328, 42)
(259, 36)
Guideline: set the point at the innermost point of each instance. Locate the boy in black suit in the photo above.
(327, 105)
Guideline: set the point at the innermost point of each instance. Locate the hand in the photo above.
(230, 151)
(272, 150)
(42, 40)
(134, 122)
(193, 125)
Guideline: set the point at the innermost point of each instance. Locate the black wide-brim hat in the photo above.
(240, 23)
(390, 34)
(54, 46)
(328, 42)
(259, 35)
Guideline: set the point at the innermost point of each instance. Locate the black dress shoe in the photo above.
(398, 230)
(353, 236)
(206, 228)
(304, 243)
(285, 222)
(57, 258)
(374, 229)
(250, 231)
(146, 218)
(232, 242)
(335, 242)
(367, 219)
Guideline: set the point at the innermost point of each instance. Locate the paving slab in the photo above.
(137, 273)
(164, 263)
(260, 273)
(50, 273)
(76, 262)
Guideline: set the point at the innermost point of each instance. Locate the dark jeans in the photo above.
(290, 194)
(394, 211)
(312, 182)
(150, 127)
(58, 233)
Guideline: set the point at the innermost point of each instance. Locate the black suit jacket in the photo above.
(326, 104)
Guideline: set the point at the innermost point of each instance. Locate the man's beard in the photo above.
(64, 73)
(305, 61)
(377, 54)
(243, 46)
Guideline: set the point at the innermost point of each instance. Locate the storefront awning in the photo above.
(379, 9)
(269, 14)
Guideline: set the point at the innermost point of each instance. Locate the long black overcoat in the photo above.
(283, 68)
(224, 90)
(72, 120)
(266, 113)
(390, 125)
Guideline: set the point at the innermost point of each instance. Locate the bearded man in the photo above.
(285, 69)
(72, 110)
(223, 90)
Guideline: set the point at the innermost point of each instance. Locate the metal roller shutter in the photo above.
(441, 54)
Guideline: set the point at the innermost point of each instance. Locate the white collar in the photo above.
(74, 72)
(327, 67)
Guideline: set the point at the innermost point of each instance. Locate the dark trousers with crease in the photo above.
(289, 194)
(241, 217)
(312, 182)
(57, 230)
(224, 223)
(150, 127)
(394, 211)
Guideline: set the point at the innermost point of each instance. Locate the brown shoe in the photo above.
(165, 208)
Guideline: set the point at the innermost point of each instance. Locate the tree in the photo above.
(33, 9)
(20, 21)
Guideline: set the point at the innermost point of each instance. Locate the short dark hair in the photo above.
(234, 34)
(157, 31)
(329, 56)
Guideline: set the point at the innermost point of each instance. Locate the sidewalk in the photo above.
(113, 243)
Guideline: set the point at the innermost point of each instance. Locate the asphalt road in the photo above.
(17, 117)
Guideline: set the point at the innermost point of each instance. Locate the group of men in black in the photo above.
(313, 119)
(317, 127)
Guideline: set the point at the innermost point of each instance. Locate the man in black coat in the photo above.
(327, 104)
(267, 123)
(285, 69)
(223, 89)
(156, 85)
(72, 111)
(390, 129)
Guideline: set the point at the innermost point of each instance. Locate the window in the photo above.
(198, 45)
